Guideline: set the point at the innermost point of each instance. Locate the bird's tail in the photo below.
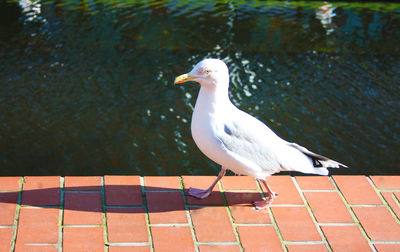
(320, 163)
(321, 166)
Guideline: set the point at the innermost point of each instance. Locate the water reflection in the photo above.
(325, 14)
(31, 9)
(86, 87)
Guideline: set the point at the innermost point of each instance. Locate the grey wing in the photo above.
(251, 139)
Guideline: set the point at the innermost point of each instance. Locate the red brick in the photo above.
(387, 247)
(315, 183)
(328, 207)
(389, 197)
(35, 248)
(239, 183)
(295, 224)
(83, 209)
(386, 182)
(219, 248)
(129, 249)
(127, 225)
(242, 214)
(306, 248)
(212, 224)
(92, 183)
(357, 190)
(397, 197)
(6, 235)
(41, 191)
(8, 205)
(41, 182)
(243, 210)
(259, 238)
(378, 223)
(162, 183)
(345, 238)
(83, 239)
(166, 207)
(123, 191)
(286, 190)
(242, 198)
(202, 182)
(38, 225)
(9, 183)
(172, 238)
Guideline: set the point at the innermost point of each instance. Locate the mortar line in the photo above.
(231, 220)
(188, 216)
(83, 191)
(385, 203)
(202, 206)
(61, 215)
(124, 207)
(17, 214)
(367, 205)
(146, 214)
(254, 224)
(82, 226)
(240, 191)
(310, 211)
(343, 224)
(386, 242)
(348, 206)
(162, 191)
(170, 225)
(272, 218)
(396, 200)
(41, 244)
(123, 244)
(353, 215)
(304, 242)
(42, 207)
(103, 214)
(288, 205)
(214, 243)
(316, 190)
(389, 190)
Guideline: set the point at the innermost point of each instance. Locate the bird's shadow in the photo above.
(113, 198)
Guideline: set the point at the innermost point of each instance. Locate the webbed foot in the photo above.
(198, 193)
(262, 204)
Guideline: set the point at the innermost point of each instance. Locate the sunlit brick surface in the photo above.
(133, 213)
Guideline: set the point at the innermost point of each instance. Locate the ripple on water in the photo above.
(87, 87)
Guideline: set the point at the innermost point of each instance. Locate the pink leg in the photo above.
(201, 194)
(270, 196)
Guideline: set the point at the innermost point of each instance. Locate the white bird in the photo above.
(238, 141)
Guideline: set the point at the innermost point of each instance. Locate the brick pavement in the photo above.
(133, 213)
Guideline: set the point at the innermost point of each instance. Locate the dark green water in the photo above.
(86, 87)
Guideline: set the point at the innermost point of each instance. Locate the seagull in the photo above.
(238, 141)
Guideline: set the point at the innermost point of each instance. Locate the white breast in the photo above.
(206, 126)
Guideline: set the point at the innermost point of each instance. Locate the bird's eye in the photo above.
(207, 71)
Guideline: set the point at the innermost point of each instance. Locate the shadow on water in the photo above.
(87, 87)
(50, 198)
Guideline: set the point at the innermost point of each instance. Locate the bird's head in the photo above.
(208, 72)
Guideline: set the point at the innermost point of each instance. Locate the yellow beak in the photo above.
(183, 78)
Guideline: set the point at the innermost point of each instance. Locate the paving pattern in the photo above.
(133, 213)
